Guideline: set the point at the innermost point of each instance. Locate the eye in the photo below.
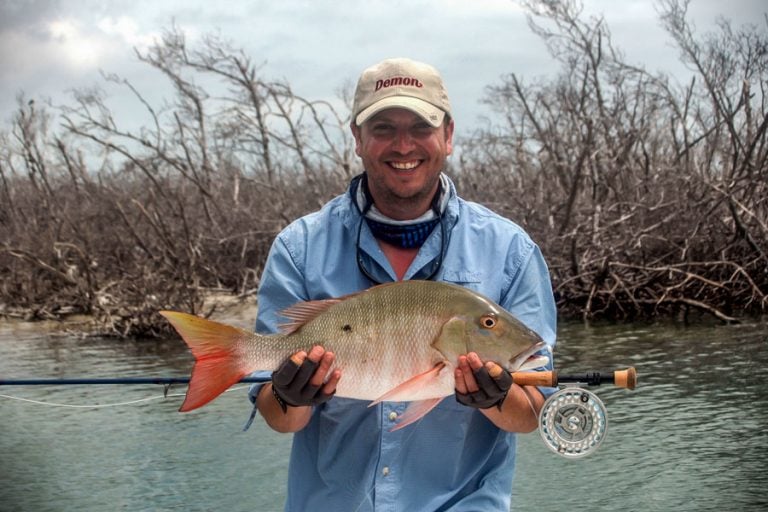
(382, 129)
(422, 130)
(488, 321)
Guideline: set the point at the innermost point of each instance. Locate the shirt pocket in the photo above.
(475, 281)
(462, 277)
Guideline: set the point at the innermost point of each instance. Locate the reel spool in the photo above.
(573, 422)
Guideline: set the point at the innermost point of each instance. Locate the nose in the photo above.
(403, 142)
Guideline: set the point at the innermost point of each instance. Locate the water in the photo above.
(692, 437)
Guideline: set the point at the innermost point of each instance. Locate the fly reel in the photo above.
(573, 422)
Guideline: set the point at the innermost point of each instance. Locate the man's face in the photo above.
(403, 156)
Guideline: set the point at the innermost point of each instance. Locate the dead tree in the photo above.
(647, 197)
(155, 216)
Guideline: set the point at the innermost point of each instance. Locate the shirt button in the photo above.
(392, 416)
(385, 471)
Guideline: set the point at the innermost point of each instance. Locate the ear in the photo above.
(356, 133)
(449, 137)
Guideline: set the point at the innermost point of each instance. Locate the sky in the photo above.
(50, 47)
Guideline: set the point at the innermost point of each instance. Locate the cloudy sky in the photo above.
(48, 47)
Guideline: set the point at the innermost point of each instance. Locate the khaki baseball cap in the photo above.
(401, 83)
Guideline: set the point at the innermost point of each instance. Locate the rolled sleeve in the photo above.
(531, 300)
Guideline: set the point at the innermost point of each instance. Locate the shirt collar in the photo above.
(449, 203)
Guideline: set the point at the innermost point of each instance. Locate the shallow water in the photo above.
(691, 437)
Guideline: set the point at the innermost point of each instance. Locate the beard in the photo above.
(403, 202)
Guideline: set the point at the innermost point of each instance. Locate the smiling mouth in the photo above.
(405, 166)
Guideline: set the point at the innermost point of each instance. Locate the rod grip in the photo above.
(625, 378)
(547, 378)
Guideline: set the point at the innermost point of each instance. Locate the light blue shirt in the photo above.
(454, 458)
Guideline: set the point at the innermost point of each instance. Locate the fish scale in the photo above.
(376, 350)
(386, 340)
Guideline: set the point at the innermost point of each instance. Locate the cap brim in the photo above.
(430, 113)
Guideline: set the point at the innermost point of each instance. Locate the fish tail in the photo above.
(218, 364)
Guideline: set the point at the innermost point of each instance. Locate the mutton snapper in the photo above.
(393, 342)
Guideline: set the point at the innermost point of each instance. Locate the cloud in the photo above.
(58, 47)
(26, 13)
(126, 30)
(44, 52)
(71, 45)
(315, 45)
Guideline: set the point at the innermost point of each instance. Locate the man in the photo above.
(400, 220)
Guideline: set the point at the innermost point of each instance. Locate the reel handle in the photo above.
(622, 378)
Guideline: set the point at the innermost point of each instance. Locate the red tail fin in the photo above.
(217, 365)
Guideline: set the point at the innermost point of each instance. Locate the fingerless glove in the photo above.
(493, 390)
(291, 387)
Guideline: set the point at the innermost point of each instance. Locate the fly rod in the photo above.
(573, 422)
(621, 378)
(117, 380)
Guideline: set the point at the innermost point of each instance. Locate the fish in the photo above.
(397, 342)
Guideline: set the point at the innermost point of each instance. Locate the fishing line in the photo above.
(102, 406)
(87, 406)
(530, 401)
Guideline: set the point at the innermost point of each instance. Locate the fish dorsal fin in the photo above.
(303, 312)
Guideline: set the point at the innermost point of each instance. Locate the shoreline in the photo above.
(236, 310)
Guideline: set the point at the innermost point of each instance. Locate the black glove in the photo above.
(493, 390)
(290, 385)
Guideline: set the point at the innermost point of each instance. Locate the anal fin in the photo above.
(416, 411)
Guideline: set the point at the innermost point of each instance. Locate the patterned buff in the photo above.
(408, 236)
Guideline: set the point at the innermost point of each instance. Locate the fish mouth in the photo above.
(528, 355)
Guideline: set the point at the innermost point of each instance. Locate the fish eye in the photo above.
(488, 321)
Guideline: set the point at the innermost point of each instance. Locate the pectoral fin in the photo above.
(409, 388)
(416, 411)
